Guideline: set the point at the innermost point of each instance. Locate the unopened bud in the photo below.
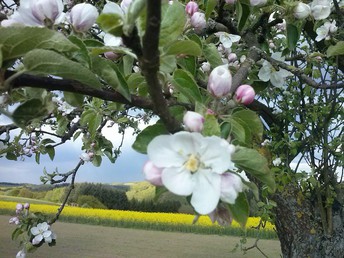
(191, 7)
(152, 173)
(220, 81)
(83, 16)
(245, 94)
(198, 22)
(193, 121)
(302, 11)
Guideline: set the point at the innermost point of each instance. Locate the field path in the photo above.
(88, 241)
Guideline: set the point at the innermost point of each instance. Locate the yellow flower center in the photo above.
(192, 163)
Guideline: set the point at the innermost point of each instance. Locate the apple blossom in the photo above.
(27, 206)
(42, 232)
(21, 253)
(125, 5)
(192, 165)
(227, 39)
(193, 121)
(85, 157)
(83, 16)
(220, 81)
(324, 31)
(245, 94)
(302, 10)
(268, 73)
(198, 22)
(320, 9)
(191, 7)
(37, 13)
(231, 185)
(14, 220)
(19, 207)
(276, 162)
(221, 215)
(205, 67)
(152, 173)
(258, 2)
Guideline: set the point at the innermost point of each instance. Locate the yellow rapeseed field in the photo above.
(130, 216)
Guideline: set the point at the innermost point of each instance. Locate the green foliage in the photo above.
(89, 201)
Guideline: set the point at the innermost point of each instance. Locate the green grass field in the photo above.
(24, 200)
(88, 241)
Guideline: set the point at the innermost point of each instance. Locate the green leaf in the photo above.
(336, 50)
(236, 130)
(82, 55)
(168, 64)
(105, 69)
(145, 137)
(1, 57)
(185, 83)
(97, 160)
(212, 55)
(51, 151)
(184, 47)
(252, 123)
(240, 210)
(123, 87)
(118, 50)
(17, 41)
(172, 23)
(47, 62)
(253, 162)
(188, 64)
(292, 36)
(111, 23)
(243, 12)
(74, 99)
(211, 4)
(211, 126)
(28, 111)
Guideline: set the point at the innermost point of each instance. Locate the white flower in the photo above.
(205, 67)
(42, 232)
(277, 162)
(268, 73)
(324, 31)
(112, 41)
(86, 157)
(231, 185)
(125, 5)
(111, 7)
(21, 253)
(220, 81)
(83, 16)
(193, 165)
(302, 11)
(227, 39)
(258, 2)
(321, 9)
(37, 13)
(65, 108)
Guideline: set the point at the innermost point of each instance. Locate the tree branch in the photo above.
(150, 63)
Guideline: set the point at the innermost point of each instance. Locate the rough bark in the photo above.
(299, 226)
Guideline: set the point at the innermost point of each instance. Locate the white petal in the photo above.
(37, 239)
(34, 231)
(111, 7)
(206, 194)
(178, 181)
(216, 154)
(277, 80)
(231, 185)
(234, 38)
(264, 73)
(112, 41)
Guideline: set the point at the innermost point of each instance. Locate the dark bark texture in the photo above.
(299, 226)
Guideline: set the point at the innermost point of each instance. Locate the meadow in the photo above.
(174, 222)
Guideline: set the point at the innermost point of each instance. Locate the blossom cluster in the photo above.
(37, 232)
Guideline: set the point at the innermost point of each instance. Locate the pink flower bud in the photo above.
(220, 81)
(193, 121)
(232, 57)
(111, 55)
(83, 16)
(245, 94)
(45, 9)
(198, 21)
(19, 207)
(27, 206)
(152, 173)
(191, 8)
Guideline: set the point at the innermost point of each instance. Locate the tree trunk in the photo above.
(299, 226)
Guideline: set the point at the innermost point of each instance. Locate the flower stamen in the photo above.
(192, 163)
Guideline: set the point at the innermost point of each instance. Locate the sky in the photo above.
(127, 168)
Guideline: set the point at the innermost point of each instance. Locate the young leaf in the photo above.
(145, 137)
(211, 4)
(172, 24)
(47, 62)
(184, 47)
(185, 83)
(292, 36)
(251, 161)
(212, 55)
(17, 41)
(251, 121)
(336, 50)
(74, 99)
(111, 23)
(240, 209)
(211, 126)
(243, 12)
